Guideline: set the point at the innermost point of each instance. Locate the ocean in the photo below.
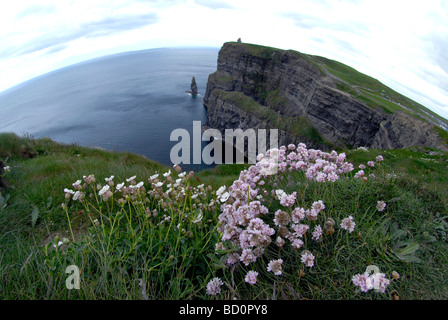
(125, 102)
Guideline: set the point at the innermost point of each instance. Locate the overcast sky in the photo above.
(404, 44)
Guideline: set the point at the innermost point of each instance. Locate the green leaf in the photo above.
(34, 216)
(3, 201)
(397, 233)
(407, 253)
(217, 263)
(49, 201)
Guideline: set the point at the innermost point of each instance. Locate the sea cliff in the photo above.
(263, 87)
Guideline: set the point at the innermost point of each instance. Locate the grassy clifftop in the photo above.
(160, 244)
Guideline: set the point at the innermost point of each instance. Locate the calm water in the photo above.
(125, 102)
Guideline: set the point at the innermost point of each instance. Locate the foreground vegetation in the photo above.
(139, 230)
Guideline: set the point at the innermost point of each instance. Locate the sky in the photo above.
(403, 44)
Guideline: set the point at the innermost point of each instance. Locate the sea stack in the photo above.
(194, 87)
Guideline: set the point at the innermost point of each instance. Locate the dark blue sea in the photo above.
(125, 102)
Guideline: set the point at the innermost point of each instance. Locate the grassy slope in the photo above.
(416, 193)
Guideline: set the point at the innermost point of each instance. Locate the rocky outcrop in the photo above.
(261, 87)
(193, 87)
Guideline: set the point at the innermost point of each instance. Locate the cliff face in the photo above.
(260, 87)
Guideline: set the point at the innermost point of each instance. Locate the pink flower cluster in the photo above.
(247, 226)
(361, 174)
(316, 164)
(367, 281)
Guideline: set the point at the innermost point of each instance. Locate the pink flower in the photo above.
(360, 173)
(214, 287)
(247, 257)
(379, 158)
(298, 214)
(379, 282)
(275, 266)
(362, 281)
(381, 205)
(317, 233)
(371, 164)
(288, 200)
(297, 243)
(251, 277)
(348, 224)
(307, 258)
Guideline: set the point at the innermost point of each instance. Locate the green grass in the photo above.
(442, 133)
(174, 259)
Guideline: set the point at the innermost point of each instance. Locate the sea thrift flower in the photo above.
(307, 258)
(131, 179)
(275, 266)
(311, 214)
(359, 174)
(288, 200)
(104, 190)
(247, 257)
(220, 191)
(214, 287)
(317, 233)
(329, 226)
(381, 205)
(69, 191)
(77, 185)
(109, 179)
(79, 195)
(7, 168)
(280, 242)
(318, 206)
(224, 197)
(297, 243)
(348, 224)
(371, 164)
(362, 167)
(379, 158)
(300, 229)
(362, 281)
(298, 214)
(166, 174)
(379, 282)
(251, 277)
(90, 179)
(282, 218)
(280, 194)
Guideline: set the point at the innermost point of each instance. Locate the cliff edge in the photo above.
(262, 87)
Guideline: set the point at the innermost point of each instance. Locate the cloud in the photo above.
(214, 4)
(58, 39)
(37, 9)
(117, 24)
(305, 21)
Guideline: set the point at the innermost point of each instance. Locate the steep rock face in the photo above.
(259, 87)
